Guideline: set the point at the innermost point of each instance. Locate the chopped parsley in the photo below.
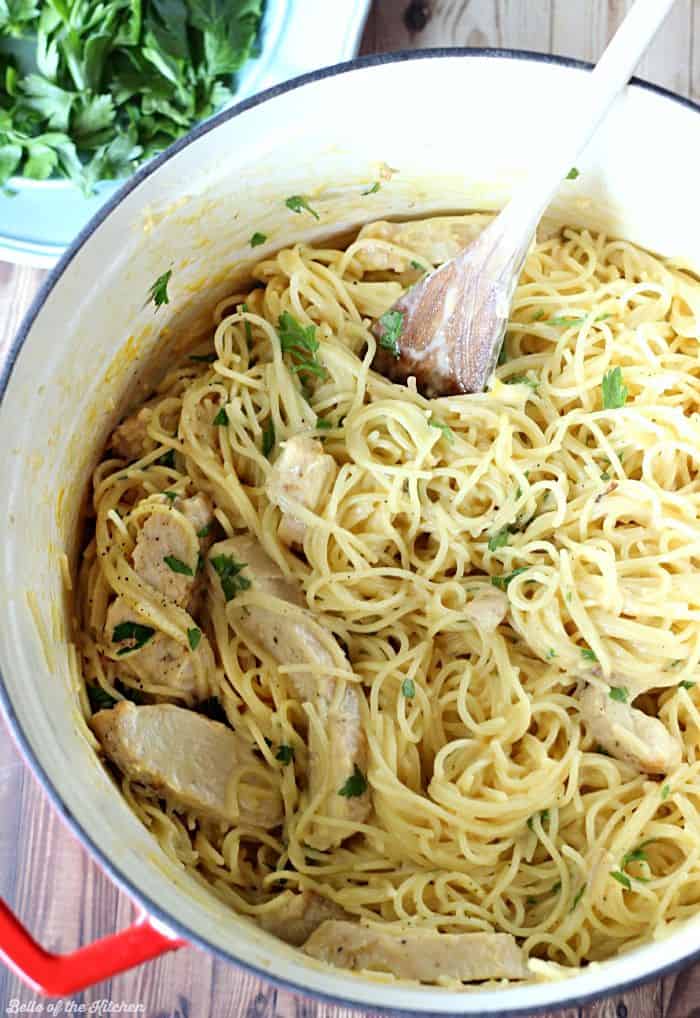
(323, 424)
(621, 878)
(170, 495)
(203, 358)
(636, 855)
(134, 631)
(158, 292)
(502, 582)
(298, 203)
(538, 315)
(356, 785)
(419, 267)
(522, 380)
(214, 710)
(248, 326)
(392, 325)
(619, 693)
(257, 239)
(268, 438)
(686, 684)
(285, 754)
(665, 792)
(544, 819)
(566, 321)
(194, 635)
(577, 897)
(167, 459)
(373, 189)
(446, 430)
(614, 390)
(204, 531)
(177, 565)
(551, 653)
(221, 419)
(499, 539)
(588, 655)
(301, 344)
(99, 698)
(572, 174)
(230, 576)
(408, 688)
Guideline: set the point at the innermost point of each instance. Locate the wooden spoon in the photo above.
(448, 329)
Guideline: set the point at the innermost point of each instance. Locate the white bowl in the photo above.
(461, 127)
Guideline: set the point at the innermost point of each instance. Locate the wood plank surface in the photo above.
(44, 873)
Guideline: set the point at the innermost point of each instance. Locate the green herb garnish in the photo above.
(248, 326)
(193, 637)
(99, 698)
(177, 565)
(158, 292)
(587, 654)
(538, 315)
(686, 684)
(665, 792)
(577, 897)
(572, 174)
(298, 203)
(619, 693)
(408, 688)
(230, 576)
(257, 239)
(285, 754)
(499, 539)
(392, 324)
(621, 878)
(544, 819)
(140, 635)
(268, 438)
(170, 495)
(551, 653)
(323, 424)
(419, 267)
(221, 419)
(204, 531)
(446, 430)
(522, 380)
(502, 581)
(373, 189)
(167, 459)
(301, 344)
(614, 390)
(355, 785)
(203, 358)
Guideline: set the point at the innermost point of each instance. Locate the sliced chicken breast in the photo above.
(434, 240)
(487, 609)
(168, 546)
(162, 660)
(296, 916)
(423, 955)
(290, 640)
(302, 476)
(192, 761)
(628, 733)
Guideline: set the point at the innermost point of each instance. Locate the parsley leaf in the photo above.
(257, 239)
(229, 571)
(502, 581)
(408, 688)
(619, 693)
(203, 358)
(373, 189)
(446, 430)
(356, 784)
(686, 684)
(392, 326)
(158, 292)
(204, 531)
(194, 635)
(522, 380)
(499, 539)
(587, 654)
(572, 174)
(323, 424)
(577, 897)
(134, 631)
(167, 459)
(221, 419)
(177, 565)
(170, 495)
(298, 203)
(551, 653)
(621, 878)
(301, 344)
(665, 792)
(285, 754)
(614, 390)
(419, 267)
(99, 698)
(268, 438)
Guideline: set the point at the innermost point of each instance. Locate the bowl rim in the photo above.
(162, 918)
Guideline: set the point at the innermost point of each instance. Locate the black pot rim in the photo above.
(110, 868)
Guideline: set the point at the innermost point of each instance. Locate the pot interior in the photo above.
(441, 132)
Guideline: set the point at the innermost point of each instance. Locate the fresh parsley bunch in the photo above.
(88, 90)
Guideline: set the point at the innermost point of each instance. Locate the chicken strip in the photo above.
(168, 545)
(423, 955)
(301, 476)
(628, 734)
(200, 766)
(434, 240)
(295, 916)
(487, 609)
(161, 660)
(290, 640)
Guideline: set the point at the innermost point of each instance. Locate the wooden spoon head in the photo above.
(453, 323)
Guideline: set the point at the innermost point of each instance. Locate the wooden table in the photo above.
(44, 873)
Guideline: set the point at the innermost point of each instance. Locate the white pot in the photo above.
(461, 127)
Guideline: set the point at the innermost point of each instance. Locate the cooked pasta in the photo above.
(481, 579)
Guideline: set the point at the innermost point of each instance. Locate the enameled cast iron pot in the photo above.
(460, 128)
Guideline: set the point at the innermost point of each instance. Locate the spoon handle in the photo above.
(599, 91)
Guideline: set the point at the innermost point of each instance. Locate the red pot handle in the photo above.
(59, 975)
